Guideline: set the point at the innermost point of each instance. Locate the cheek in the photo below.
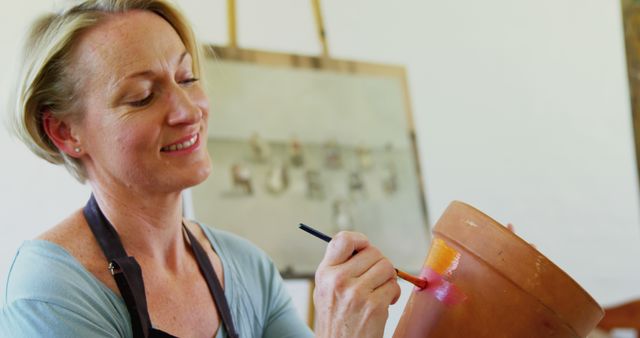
(128, 139)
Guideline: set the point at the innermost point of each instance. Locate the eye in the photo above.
(143, 102)
(189, 81)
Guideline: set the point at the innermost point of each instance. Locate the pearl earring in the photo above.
(76, 149)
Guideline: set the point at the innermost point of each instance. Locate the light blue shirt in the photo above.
(49, 293)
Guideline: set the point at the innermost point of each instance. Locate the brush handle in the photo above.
(315, 232)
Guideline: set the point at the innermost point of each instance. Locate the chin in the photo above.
(200, 174)
(178, 179)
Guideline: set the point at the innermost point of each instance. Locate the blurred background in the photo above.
(521, 108)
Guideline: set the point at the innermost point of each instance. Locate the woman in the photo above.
(110, 90)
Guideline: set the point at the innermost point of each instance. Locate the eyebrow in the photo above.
(146, 73)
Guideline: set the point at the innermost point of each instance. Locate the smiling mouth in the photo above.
(181, 145)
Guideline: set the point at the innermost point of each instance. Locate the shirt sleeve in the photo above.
(34, 318)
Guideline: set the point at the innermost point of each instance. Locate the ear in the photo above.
(62, 135)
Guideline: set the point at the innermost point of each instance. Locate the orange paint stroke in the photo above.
(442, 258)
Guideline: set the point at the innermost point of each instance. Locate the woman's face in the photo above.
(145, 115)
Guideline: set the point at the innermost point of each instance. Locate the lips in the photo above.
(181, 145)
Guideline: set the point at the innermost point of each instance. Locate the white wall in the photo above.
(522, 109)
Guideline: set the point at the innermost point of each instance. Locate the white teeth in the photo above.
(183, 145)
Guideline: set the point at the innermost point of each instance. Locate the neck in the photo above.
(150, 226)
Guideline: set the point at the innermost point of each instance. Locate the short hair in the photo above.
(45, 81)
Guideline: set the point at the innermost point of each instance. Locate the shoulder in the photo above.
(74, 236)
(50, 268)
(249, 272)
(231, 241)
(246, 261)
(46, 287)
(39, 269)
(234, 247)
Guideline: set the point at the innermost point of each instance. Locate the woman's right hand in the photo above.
(355, 284)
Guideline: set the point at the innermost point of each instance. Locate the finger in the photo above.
(343, 246)
(379, 274)
(362, 261)
(389, 292)
(396, 292)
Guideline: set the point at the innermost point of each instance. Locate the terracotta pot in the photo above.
(487, 282)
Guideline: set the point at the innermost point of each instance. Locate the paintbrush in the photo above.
(417, 281)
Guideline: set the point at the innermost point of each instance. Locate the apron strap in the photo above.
(124, 269)
(103, 231)
(214, 284)
(128, 275)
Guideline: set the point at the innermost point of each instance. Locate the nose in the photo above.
(183, 109)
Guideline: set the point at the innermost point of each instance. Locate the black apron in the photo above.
(128, 275)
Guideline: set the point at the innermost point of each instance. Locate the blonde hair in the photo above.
(46, 83)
